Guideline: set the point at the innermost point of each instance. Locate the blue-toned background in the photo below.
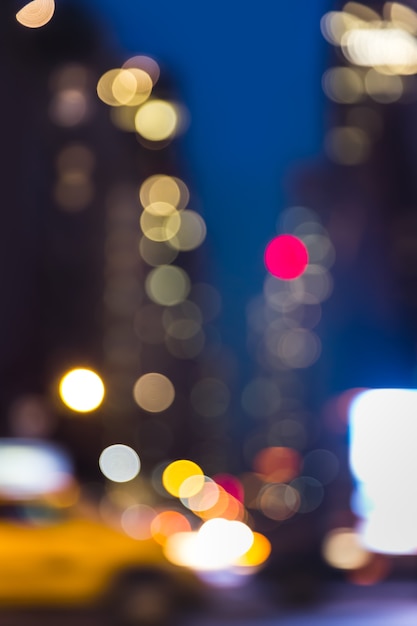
(250, 76)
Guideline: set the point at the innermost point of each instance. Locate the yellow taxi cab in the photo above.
(54, 557)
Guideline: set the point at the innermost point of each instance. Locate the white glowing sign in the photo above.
(30, 468)
(383, 461)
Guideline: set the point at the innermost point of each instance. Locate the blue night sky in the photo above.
(250, 76)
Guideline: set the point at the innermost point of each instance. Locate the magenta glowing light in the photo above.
(286, 257)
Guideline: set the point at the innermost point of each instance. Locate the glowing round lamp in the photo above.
(286, 257)
(81, 390)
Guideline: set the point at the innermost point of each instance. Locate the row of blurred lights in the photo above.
(281, 484)
(298, 282)
(174, 317)
(285, 481)
(168, 228)
(214, 528)
(217, 537)
(380, 54)
(223, 539)
(128, 90)
(386, 42)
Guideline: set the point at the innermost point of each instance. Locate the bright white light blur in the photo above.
(82, 390)
(182, 549)
(119, 463)
(216, 546)
(389, 532)
(383, 461)
(29, 468)
(380, 47)
(224, 541)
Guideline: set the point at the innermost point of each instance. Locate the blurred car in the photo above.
(54, 557)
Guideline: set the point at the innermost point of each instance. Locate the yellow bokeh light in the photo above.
(105, 87)
(167, 285)
(123, 86)
(120, 87)
(37, 13)
(160, 208)
(157, 120)
(160, 221)
(177, 472)
(257, 554)
(163, 188)
(159, 188)
(131, 87)
(191, 233)
(81, 390)
(154, 392)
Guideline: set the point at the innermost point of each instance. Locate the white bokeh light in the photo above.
(383, 461)
(119, 463)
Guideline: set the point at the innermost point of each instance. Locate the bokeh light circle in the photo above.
(81, 390)
(154, 392)
(286, 257)
(342, 549)
(167, 285)
(36, 13)
(167, 523)
(156, 120)
(119, 463)
(177, 472)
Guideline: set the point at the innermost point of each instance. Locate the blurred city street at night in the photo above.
(208, 363)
